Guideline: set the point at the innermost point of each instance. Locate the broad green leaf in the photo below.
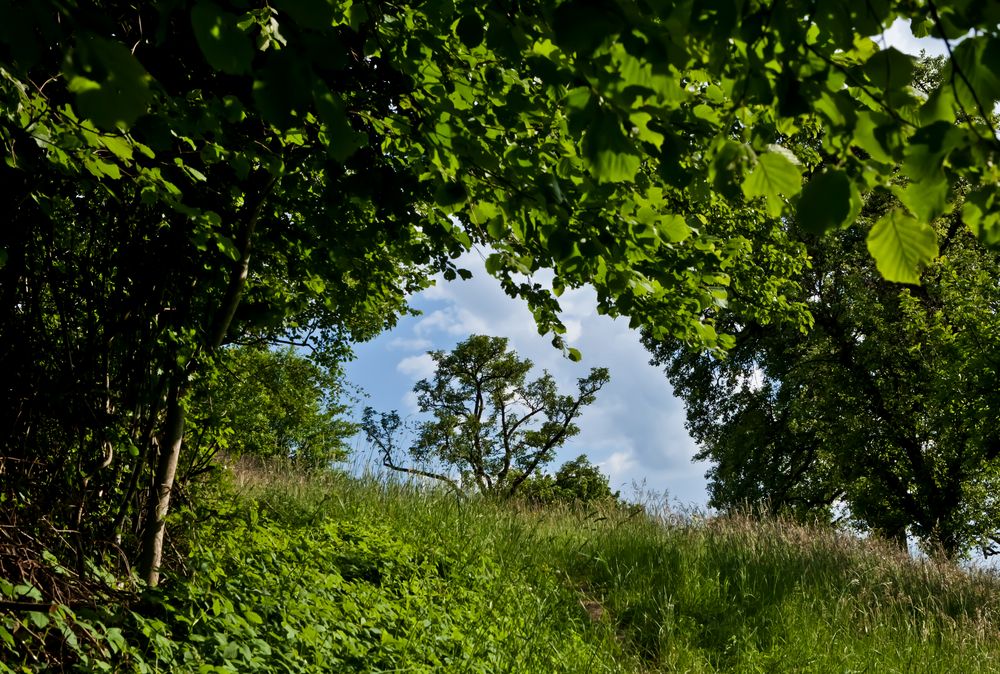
(470, 30)
(872, 135)
(981, 215)
(927, 199)
(890, 69)
(342, 140)
(829, 201)
(978, 88)
(282, 89)
(774, 176)
(673, 228)
(902, 246)
(928, 148)
(582, 26)
(450, 196)
(112, 88)
(612, 158)
(225, 46)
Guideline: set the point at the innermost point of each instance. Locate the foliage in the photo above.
(187, 174)
(391, 575)
(270, 403)
(489, 420)
(884, 406)
(266, 594)
(576, 481)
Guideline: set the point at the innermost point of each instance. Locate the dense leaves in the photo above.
(186, 174)
(882, 411)
(576, 481)
(264, 404)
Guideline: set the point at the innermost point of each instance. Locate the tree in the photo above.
(884, 406)
(268, 403)
(576, 481)
(489, 420)
(183, 175)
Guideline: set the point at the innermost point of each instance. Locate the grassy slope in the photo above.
(344, 575)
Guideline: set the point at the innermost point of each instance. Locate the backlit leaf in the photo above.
(774, 176)
(902, 246)
(225, 46)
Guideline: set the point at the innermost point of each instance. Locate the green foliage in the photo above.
(270, 404)
(880, 407)
(576, 481)
(388, 576)
(489, 420)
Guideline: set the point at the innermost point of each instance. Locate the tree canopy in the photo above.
(187, 173)
(266, 403)
(885, 408)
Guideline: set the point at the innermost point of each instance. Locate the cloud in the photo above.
(635, 429)
(410, 344)
(417, 367)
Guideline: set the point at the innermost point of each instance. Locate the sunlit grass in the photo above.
(686, 593)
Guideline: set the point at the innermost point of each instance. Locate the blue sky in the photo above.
(635, 431)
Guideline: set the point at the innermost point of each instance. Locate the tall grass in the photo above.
(687, 594)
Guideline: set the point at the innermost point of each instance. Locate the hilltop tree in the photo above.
(576, 481)
(490, 421)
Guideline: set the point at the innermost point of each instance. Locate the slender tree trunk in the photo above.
(159, 503)
(151, 553)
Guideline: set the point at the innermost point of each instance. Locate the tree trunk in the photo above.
(151, 554)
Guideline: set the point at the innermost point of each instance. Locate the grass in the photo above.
(333, 573)
(699, 595)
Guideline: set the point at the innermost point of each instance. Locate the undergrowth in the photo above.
(327, 573)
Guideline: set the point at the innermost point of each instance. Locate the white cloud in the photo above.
(412, 344)
(618, 464)
(417, 367)
(410, 402)
(635, 429)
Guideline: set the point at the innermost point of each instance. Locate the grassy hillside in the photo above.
(339, 575)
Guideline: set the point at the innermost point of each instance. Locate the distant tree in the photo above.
(270, 403)
(577, 480)
(489, 420)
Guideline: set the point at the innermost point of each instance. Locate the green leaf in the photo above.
(829, 201)
(574, 354)
(978, 58)
(612, 157)
(673, 228)
(470, 30)
(773, 176)
(927, 199)
(225, 46)
(112, 88)
(890, 69)
(450, 196)
(902, 246)
(981, 215)
(341, 138)
(928, 148)
(583, 25)
(38, 619)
